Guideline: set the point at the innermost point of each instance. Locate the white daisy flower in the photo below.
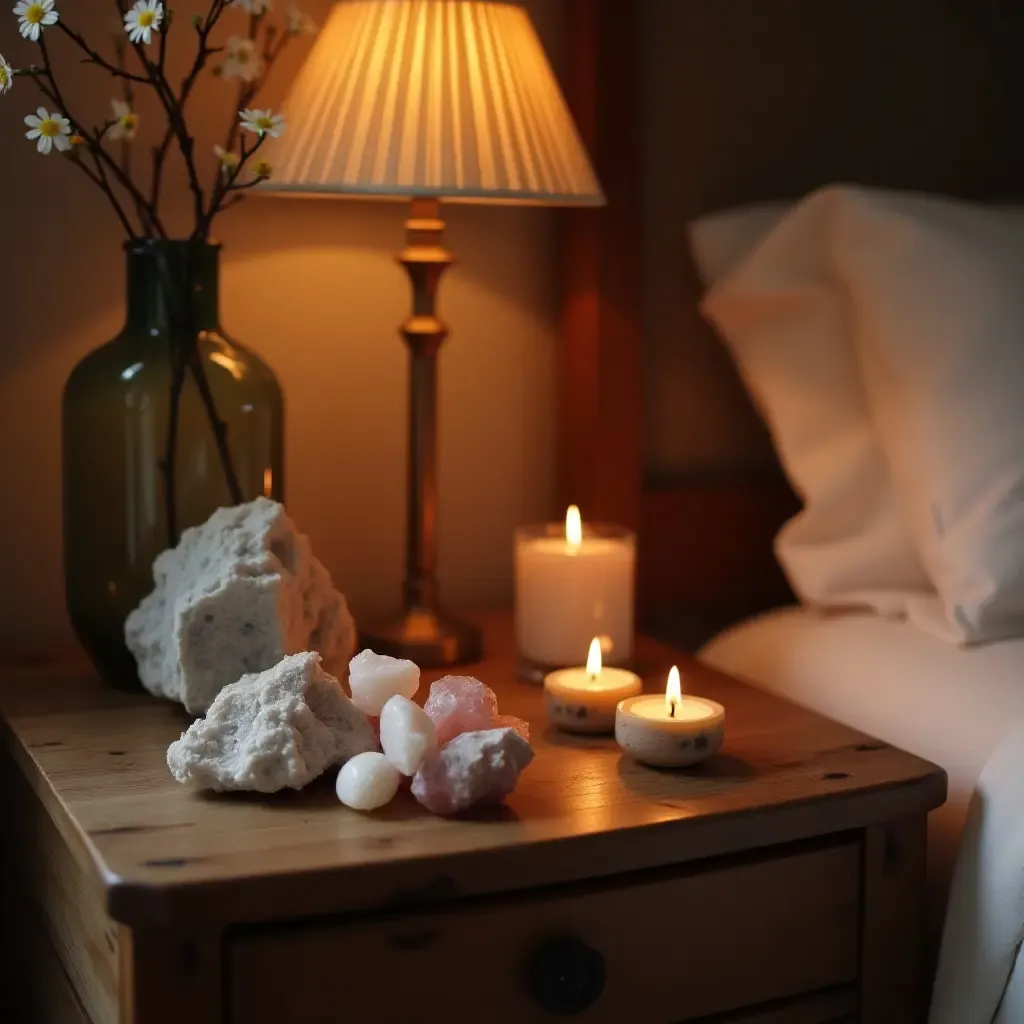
(253, 6)
(6, 76)
(126, 122)
(143, 20)
(50, 129)
(262, 122)
(242, 60)
(34, 16)
(298, 23)
(228, 160)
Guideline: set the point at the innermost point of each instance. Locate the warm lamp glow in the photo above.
(573, 527)
(673, 691)
(594, 657)
(429, 100)
(448, 98)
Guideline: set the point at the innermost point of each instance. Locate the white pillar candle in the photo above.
(375, 678)
(574, 583)
(367, 781)
(670, 731)
(407, 734)
(584, 699)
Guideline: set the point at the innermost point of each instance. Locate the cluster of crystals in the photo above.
(458, 751)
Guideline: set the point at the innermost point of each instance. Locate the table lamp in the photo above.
(424, 100)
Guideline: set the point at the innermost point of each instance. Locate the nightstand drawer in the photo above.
(658, 946)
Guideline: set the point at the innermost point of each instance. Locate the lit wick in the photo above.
(673, 691)
(573, 529)
(594, 660)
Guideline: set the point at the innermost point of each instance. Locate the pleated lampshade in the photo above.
(417, 98)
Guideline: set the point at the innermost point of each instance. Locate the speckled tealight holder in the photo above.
(577, 702)
(670, 743)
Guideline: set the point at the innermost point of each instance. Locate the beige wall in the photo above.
(311, 286)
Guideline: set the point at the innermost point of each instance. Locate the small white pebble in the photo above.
(407, 734)
(375, 678)
(367, 781)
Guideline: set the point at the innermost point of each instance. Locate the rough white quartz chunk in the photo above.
(367, 782)
(407, 734)
(375, 678)
(235, 596)
(274, 730)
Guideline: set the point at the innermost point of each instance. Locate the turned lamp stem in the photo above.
(425, 260)
(422, 632)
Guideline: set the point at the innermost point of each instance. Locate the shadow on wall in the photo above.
(313, 287)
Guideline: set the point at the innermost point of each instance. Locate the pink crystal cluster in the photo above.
(481, 753)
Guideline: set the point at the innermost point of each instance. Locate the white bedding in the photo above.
(955, 707)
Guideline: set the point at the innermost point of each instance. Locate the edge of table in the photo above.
(673, 833)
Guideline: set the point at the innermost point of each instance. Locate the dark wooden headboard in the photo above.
(689, 106)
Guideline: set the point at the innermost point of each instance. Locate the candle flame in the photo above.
(673, 691)
(573, 526)
(594, 657)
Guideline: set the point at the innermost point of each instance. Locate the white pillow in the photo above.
(935, 292)
(720, 240)
(785, 323)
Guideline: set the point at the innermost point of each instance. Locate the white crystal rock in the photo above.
(274, 730)
(375, 678)
(474, 768)
(235, 596)
(407, 734)
(367, 782)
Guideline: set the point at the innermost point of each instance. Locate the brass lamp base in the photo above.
(431, 639)
(421, 632)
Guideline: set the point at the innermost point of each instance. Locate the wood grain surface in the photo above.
(674, 946)
(66, 898)
(164, 855)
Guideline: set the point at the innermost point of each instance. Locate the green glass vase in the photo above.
(161, 426)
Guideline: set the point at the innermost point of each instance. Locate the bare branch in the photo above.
(229, 182)
(47, 78)
(92, 57)
(176, 125)
(99, 180)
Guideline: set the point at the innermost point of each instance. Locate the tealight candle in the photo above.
(670, 731)
(585, 699)
(572, 583)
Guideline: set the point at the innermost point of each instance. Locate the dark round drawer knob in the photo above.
(567, 976)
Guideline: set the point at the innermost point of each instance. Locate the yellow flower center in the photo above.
(147, 19)
(242, 56)
(34, 15)
(264, 169)
(49, 128)
(4, 77)
(264, 123)
(128, 121)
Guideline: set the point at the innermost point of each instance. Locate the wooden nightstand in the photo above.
(779, 882)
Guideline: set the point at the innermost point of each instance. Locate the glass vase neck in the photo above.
(172, 285)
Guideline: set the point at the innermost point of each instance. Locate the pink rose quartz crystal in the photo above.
(511, 722)
(480, 767)
(459, 704)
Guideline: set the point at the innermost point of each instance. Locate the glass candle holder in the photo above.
(568, 591)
